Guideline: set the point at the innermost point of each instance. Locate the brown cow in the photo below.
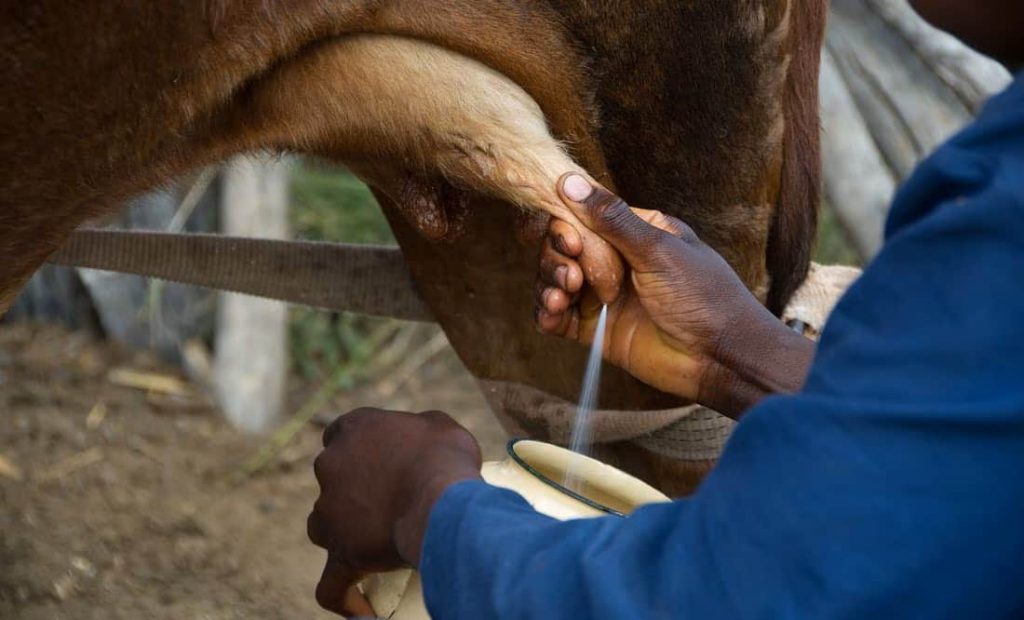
(451, 110)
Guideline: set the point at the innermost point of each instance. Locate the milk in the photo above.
(581, 435)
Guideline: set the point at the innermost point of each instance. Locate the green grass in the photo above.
(329, 204)
(834, 247)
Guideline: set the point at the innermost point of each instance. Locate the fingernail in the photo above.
(560, 244)
(562, 276)
(577, 188)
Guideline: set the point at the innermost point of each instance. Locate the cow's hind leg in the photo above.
(27, 237)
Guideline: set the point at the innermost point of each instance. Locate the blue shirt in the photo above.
(892, 486)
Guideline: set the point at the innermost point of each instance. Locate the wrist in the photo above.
(411, 526)
(756, 356)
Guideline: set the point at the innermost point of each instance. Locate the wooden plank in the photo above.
(251, 358)
(340, 277)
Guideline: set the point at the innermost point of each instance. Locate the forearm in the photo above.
(759, 356)
(477, 556)
(489, 555)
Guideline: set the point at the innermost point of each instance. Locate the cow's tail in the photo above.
(794, 226)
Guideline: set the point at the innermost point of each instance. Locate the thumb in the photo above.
(610, 217)
(337, 591)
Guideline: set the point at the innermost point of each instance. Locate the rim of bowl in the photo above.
(511, 448)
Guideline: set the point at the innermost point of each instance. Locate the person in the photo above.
(873, 477)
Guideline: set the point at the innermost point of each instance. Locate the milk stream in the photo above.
(581, 432)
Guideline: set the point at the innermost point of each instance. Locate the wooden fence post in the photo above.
(251, 351)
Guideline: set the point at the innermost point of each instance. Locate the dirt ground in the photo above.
(117, 502)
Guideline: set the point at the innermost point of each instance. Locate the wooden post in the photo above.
(251, 358)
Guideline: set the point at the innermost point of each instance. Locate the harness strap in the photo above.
(341, 277)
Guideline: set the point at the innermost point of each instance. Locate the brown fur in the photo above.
(795, 222)
(706, 110)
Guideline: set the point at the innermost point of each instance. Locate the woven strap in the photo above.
(352, 278)
(375, 280)
(701, 433)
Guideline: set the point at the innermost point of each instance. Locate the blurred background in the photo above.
(157, 439)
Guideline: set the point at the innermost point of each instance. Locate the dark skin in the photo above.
(682, 322)
(368, 526)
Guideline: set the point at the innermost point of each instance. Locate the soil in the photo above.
(121, 503)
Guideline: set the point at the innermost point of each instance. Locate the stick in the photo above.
(96, 415)
(149, 382)
(71, 464)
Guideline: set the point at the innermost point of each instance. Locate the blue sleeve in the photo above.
(890, 487)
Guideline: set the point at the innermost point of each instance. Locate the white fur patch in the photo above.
(393, 103)
(404, 102)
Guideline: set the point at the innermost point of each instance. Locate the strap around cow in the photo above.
(341, 277)
(375, 280)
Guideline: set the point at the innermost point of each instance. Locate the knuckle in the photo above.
(683, 231)
(688, 236)
(673, 225)
(331, 431)
(360, 412)
(461, 439)
(437, 416)
(318, 469)
(326, 469)
(328, 433)
(318, 509)
(444, 428)
(678, 246)
(314, 531)
(347, 422)
(326, 598)
(605, 206)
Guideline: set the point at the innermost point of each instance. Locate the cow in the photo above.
(460, 115)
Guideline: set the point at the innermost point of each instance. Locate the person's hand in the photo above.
(683, 321)
(380, 474)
